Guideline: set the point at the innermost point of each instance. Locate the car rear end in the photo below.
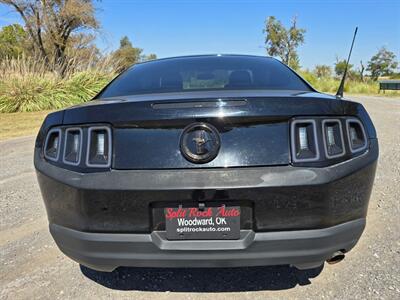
(207, 179)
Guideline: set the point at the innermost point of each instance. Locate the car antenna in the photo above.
(341, 86)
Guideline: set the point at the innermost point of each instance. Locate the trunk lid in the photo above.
(253, 126)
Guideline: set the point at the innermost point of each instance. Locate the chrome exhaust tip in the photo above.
(336, 257)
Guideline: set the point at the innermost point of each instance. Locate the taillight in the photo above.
(99, 147)
(72, 146)
(333, 138)
(304, 141)
(356, 135)
(52, 144)
(310, 134)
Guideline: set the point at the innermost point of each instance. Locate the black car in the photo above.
(207, 161)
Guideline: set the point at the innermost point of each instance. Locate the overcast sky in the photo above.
(173, 28)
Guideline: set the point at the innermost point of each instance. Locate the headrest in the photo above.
(172, 80)
(239, 78)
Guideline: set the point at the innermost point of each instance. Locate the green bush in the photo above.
(34, 93)
(309, 77)
(83, 86)
(28, 93)
(327, 85)
(26, 85)
(368, 87)
(330, 85)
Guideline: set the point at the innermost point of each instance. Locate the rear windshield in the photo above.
(205, 73)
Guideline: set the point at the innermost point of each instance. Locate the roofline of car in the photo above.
(205, 55)
(208, 55)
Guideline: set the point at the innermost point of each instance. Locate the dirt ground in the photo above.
(32, 266)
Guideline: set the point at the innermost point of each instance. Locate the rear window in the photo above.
(205, 73)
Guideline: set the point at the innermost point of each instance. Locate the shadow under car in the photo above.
(200, 280)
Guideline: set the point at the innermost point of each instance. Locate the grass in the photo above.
(26, 85)
(36, 93)
(20, 124)
(353, 87)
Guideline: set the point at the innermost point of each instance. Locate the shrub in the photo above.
(327, 85)
(27, 86)
(28, 93)
(83, 86)
(34, 93)
(309, 77)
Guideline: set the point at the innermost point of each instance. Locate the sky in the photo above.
(177, 27)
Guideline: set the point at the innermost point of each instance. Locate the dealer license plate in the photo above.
(209, 223)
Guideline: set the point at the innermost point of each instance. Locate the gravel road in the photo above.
(32, 266)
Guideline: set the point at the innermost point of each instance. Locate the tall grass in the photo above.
(26, 85)
(330, 85)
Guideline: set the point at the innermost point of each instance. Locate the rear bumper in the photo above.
(272, 198)
(289, 215)
(302, 248)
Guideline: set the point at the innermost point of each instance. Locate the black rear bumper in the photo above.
(302, 248)
(93, 216)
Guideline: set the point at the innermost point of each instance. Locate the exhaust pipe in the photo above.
(336, 257)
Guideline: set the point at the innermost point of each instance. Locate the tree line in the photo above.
(283, 42)
(62, 34)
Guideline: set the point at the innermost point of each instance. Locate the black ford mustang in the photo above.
(206, 161)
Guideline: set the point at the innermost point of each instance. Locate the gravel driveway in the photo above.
(32, 266)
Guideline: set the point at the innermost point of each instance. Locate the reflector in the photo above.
(76, 143)
(353, 134)
(303, 138)
(100, 144)
(331, 137)
(55, 143)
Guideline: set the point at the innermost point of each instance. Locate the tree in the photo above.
(127, 55)
(340, 66)
(283, 42)
(12, 41)
(361, 71)
(151, 56)
(82, 52)
(383, 63)
(294, 62)
(50, 25)
(323, 71)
